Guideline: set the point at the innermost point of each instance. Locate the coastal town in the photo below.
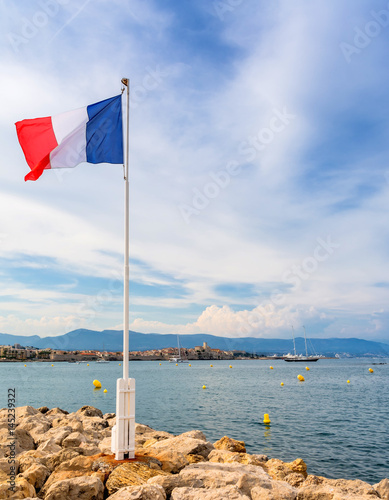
(17, 352)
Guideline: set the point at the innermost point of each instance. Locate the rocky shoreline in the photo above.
(56, 455)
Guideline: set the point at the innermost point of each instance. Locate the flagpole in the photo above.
(123, 432)
(126, 297)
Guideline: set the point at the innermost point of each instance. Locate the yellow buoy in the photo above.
(211, 366)
(204, 386)
(105, 390)
(271, 368)
(348, 381)
(190, 365)
(176, 364)
(160, 364)
(266, 419)
(230, 366)
(282, 383)
(119, 364)
(96, 383)
(87, 364)
(301, 378)
(25, 365)
(307, 368)
(371, 370)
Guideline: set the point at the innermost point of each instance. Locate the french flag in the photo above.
(93, 134)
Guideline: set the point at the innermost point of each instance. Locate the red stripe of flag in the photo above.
(37, 139)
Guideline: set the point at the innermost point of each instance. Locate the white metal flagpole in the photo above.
(123, 433)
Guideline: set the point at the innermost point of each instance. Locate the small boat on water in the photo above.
(178, 359)
(293, 358)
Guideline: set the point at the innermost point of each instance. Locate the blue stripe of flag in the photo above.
(104, 131)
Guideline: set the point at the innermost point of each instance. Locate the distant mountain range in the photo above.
(112, 340)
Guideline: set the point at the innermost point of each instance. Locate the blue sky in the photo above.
(259, 168)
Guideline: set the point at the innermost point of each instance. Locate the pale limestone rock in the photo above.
(49, 447)
(88, 449)
(55, 412)
(383, 488)
(229, 444)
(278, 469)
(28, 458)
(313, 484)
(171, 460)
(171, 481)
(54, 460)
(295, 479)
(25, 411)
(226, 493)
(195, 434)
(142, 492)
(184, 445)
(73, 440)
(130, 474)
(63, 475)
(279, 491)
(36, 475)
(24, 439)
(105, 446)
(144, 433)
(23, 489)
(77, 463)
(58, 435)
(80, 488)
(194, 459)
(89, 411)
(215, 475)
(5, 466)
(224, 456)
(95, 424)
(37, 425)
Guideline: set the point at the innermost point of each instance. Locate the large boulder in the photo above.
(79, 488)
(226, 493)
(229, 444)
(130, 474)
(216, 475)
(74, 440)
(49, 446)
(224, 456)
(21, 489)
(141, 492)
(321, 488)
(24, 411)
(37, 425)
(279, 491)
(172, 461)
(383, 488)
(183, 444)
(54, 460)
(89, 411)
(280, 470)
(36, 475)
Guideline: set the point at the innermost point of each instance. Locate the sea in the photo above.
(340, 429)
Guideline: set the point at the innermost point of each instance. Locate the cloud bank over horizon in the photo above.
(259, 168)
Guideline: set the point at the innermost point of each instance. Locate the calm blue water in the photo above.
(341, 430)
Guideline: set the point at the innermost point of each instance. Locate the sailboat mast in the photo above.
(294, 342)
(305, 337)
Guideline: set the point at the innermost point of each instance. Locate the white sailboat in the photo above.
(178, 359)
(292, 358)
